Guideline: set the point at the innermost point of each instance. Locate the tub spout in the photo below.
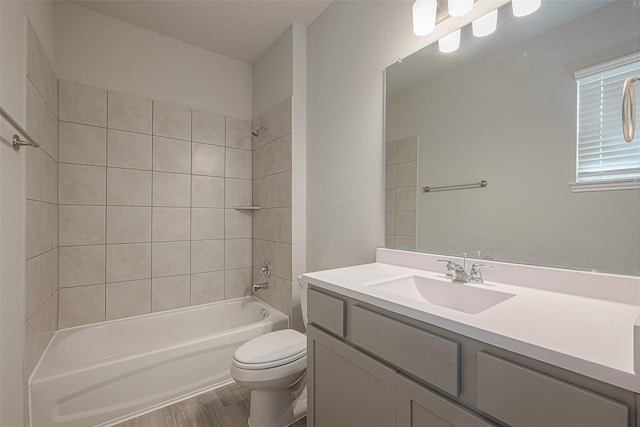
(260, 286)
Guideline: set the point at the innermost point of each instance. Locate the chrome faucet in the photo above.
(458, 273)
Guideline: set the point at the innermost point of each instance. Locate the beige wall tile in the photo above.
(49, 226)
(282, 262)
(266, 134)
(128, 262)
(49, 179)
(49, 263)
(278, 294)
(406, 223)
(31, 354)
(172, 121)
(283, 225)
(237, 253)
(33, 229)
(406, 199)
(33, 173)
(282, 153)
(238, 224)
(171, 258)
(82, 265)
(264, 160)
(171, 155)
(406, 174)
(127, 224)
(406, 243)
(55, 303)
(171, 189)
(262, 250)
(128, 187)
(34, 121)
(50, 133)
(208, 127)
(129, 112)
(207, 287)
(82, 185)
(390, 222)
(129, 150)
(237, 192)
(82, 104)
(82, 225)
(390, 152)
(208, 160)
(390, 241)
(208, 192)
(265, 191)
(390, 176)
(125, 299)
(238, 133)
(35, 291)
(81, 144)
(168, 293)
(282, 189)
(82, 305)
(207, 224)
(171, 224)
(207, 255)
(390, 199)
(238, 163)
(267, 229)
(407, 150)
(237, 283)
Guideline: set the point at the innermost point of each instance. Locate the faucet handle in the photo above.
(450, 264)
(475, 276)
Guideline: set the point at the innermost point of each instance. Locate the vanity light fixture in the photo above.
(424, 16)
(486, 24)
(525, 7)
(450, 42)
(460, 7)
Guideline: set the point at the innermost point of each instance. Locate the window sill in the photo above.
(610, 185)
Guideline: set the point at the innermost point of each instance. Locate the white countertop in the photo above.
(589, 336)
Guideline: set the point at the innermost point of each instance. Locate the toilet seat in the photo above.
(271, 350)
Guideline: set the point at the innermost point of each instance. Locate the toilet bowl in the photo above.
(273, 366)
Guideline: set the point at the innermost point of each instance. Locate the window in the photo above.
(605, 161)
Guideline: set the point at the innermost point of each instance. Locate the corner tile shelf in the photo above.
(247, 208)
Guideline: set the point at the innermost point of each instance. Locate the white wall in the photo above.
(97, 50)
(273, 75)
(349, 46)
(12, 168)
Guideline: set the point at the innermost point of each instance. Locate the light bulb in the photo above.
(524, 7)
(450, 42)
(424, 16)
(485, 25)
(460, 7)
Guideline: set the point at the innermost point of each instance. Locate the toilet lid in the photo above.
(272, 349)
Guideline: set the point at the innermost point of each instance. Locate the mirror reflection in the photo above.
(511, 109)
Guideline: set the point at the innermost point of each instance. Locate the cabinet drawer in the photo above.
(427, 356)
(525, 398)
(326, 311)
(418, 407)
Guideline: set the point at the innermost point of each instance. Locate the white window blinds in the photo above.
(602, 153)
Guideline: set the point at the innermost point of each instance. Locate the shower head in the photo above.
(257, 131)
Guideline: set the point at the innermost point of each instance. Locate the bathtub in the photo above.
(108, 372)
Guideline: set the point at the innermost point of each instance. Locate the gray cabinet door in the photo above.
(417, 406)
(346, 387)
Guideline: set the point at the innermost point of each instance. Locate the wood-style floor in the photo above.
(225, 407)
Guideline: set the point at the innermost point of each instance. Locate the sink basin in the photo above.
(444, 293)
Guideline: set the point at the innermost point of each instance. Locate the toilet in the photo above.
(273, 366)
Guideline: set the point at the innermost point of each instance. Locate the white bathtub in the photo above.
(108, 372)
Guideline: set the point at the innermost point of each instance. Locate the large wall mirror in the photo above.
(504, 109)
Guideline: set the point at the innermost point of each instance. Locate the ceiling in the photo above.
(240, 29)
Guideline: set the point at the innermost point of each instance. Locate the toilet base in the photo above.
(274, 408)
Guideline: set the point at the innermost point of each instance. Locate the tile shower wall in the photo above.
(272, 192)
(401, 193)
(41, 204)
(147, 191)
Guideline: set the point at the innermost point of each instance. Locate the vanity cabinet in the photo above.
(371, 367)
